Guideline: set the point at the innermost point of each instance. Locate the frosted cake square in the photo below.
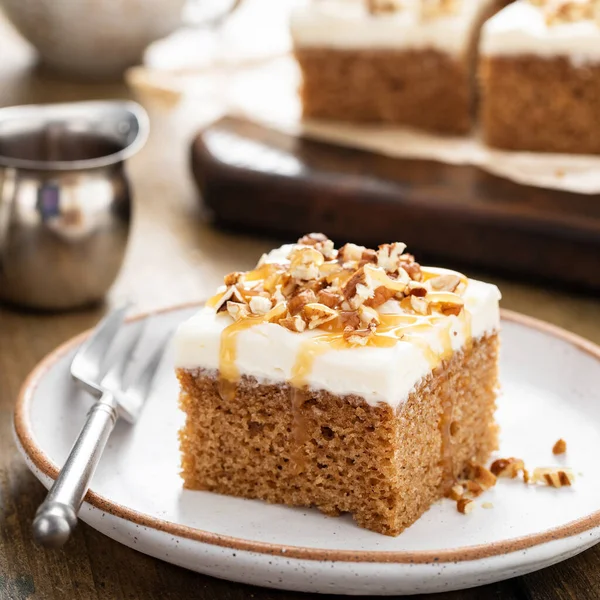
(540, 76)
(406, 62)
(352, 380)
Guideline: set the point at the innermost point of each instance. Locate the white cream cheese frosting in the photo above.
(268, 351)
(348, 24)
(521, 29)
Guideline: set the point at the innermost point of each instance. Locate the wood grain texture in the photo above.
(174, 256)
(260, 180)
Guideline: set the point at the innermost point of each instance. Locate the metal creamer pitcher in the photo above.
(65, 201)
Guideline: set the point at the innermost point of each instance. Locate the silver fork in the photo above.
(110, 375)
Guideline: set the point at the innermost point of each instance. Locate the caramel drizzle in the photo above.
(300, 429)
(392, 329)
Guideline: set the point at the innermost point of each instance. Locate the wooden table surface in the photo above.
(175, 256)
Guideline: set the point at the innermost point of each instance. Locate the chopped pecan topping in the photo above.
(316, 285)
(295, 323)
(434, 9)
(368, 316)
(380, 296)
(259, 305)
(357, 337)
(416, 289)
(297, 302)
(368, 256)
(389, 256)
(349, 319)
(444, 283)
(305, 262)
(232, 278)
(411, 267)
(277, 296)
(320, 242)
(357, 290)
(318, 314)
(350, 253)
(231, 293)
(278, 312)
(451, 309)
(362, 285)
(311, 284)
(420, 305)
(289, 285)
(383, 7)
(237, 310)
(312, 239)
(568, 11)
(329, 298)
(447, 302)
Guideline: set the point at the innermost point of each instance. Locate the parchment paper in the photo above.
(268, 94)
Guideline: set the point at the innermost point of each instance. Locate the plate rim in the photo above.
(28, 445)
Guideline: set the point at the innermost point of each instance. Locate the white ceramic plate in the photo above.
(549, 390)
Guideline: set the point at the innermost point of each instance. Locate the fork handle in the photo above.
(56, 517)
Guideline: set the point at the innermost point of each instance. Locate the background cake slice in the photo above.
(540, 77)
(397, 61)
(353, 381)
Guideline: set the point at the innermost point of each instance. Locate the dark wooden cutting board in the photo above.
(258, 180)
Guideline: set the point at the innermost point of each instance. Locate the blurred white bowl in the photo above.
(93, 38)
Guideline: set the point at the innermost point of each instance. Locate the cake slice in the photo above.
(540, 77)
(352, 380)
(406, 62)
